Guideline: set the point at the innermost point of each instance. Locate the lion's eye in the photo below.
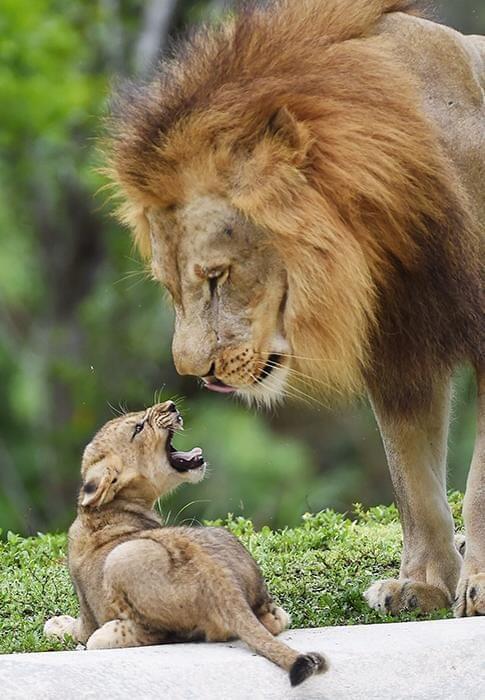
(228, 231)
(138, 428)
(213, 285)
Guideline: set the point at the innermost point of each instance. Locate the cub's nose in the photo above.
(161, 409)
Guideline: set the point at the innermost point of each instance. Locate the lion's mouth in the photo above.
(272, 363)
(183, 461)
(214, 384)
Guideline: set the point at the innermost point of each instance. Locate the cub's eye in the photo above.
(138, 428)
(228, 231)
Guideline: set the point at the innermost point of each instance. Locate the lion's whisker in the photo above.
(298, 395)
(301, 357)
(131, 274)
(306, 380)
(302, 377)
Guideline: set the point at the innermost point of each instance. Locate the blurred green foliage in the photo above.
(82, 326)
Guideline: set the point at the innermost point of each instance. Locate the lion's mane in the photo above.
(298, 113)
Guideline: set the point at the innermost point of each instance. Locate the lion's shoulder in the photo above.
(450, 70)
(427, 47)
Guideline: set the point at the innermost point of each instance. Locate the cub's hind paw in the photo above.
(60, 627)
(394, 596)
(118, 634)
(470, 596)
(276, 620)
(112, 635)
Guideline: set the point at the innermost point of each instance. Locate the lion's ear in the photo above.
(294, 134)
(102, 480)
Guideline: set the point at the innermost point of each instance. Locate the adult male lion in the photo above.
(307, 179)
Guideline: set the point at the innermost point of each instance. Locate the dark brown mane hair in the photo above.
(299, 115)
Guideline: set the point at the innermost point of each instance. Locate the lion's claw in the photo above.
(470, 596)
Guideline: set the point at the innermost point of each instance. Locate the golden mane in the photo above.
(299, 115)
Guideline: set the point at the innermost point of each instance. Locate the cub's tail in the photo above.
(300, 666)
(306, 665)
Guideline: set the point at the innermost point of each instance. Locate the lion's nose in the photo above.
(170, 407)
(194, 348)
(196, 367)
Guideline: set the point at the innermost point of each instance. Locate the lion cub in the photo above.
(141, 583)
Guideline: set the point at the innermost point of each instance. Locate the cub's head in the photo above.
(132, 457)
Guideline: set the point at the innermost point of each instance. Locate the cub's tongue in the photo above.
(184, 461)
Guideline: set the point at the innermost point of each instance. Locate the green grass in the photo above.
(316, 571)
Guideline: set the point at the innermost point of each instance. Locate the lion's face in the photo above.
(229, 290)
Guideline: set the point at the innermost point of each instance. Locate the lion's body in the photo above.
(347, 138)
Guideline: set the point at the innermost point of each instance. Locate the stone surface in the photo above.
(429, 660)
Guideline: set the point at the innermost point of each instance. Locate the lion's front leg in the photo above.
(416, 450)
(470, 594)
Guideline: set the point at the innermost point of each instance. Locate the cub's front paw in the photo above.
(470, 596)
(60, 627)
(394, 596)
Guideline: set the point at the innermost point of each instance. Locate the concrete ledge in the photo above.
(429, 660)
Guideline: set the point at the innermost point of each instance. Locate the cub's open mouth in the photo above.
(183, 461)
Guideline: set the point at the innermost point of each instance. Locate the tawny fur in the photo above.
(140, 583)
(342, 143)
(359, 198)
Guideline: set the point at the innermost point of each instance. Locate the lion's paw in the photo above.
(470, 596)
(394, 596)
(60, 627)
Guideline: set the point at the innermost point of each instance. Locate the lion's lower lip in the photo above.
(219, 387)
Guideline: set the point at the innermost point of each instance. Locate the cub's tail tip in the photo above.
(307, 665)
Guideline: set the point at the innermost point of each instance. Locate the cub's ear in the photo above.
(294, 134)
(101, 481)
